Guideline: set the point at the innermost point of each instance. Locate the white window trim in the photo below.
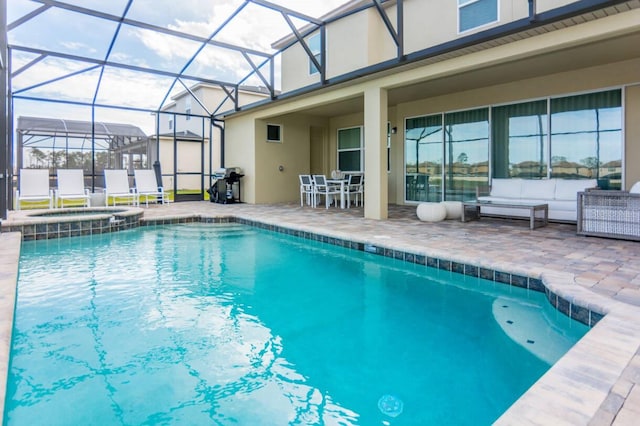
(361, 148)
(309, 62)
(187, 108)
(389, 136)
(479, 27)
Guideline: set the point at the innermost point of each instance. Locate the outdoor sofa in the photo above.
(560, 195)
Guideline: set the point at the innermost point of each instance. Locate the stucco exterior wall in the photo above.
(295, 69)
(428, 24)
(293, 154)
(354, 42)
(381, 46)
(212, 97)
(240, 151)
(262, 159)
(343, 56)
(586, 79)
(396, 155)
(564, 62)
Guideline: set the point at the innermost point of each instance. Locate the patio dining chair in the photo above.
(355, 189)
(34, 187)
(147, 186)
(328, 191)
(307, 191)
(117, 188)
(71, 187)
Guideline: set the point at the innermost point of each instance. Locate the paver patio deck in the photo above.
(603, 272)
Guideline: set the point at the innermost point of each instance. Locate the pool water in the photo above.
(229, 324)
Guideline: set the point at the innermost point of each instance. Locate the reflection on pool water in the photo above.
(202, 324)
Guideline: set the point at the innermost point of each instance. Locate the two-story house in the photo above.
(185, 129)
(452, 85)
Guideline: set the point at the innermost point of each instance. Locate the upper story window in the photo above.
(170, 124)
(187, 109)
(314, 46)
(476, 13)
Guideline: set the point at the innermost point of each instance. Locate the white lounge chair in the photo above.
(147, 186)
(71, 187)
(34, 186)
(117, 188)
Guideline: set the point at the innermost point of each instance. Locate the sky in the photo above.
(255, 27)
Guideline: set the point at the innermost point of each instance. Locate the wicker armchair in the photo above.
(611, 214)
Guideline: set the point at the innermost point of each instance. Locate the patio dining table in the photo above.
(343, 183)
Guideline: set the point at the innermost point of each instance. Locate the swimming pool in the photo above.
(228, 323)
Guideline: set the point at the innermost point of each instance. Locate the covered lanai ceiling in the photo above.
(139, 53)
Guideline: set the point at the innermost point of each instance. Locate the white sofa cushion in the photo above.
(564, 215)
(567, 189)
(538, 189)
(635, 189)
(564, 205)
(506, 188)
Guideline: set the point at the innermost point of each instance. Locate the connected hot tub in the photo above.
(57, 223)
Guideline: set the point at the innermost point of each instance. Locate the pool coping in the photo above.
(46, 224)
(571, 392)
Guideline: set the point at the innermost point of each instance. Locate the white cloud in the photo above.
(255, 28)
(78, 46)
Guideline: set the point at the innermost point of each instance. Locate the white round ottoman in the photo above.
(431, 212)
(453, 208)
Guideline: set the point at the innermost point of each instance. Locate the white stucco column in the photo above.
(376, 194)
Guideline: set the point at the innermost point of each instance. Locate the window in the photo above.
(187, 109)
(423, 158)
(520, 140)
(571, 137)
(274, 133)
(466, 136)
(350, 152)
(586, 138)
(170, 124)
(314, 46)
(476, 13)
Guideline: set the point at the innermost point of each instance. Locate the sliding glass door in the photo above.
(570, 137)
(467, 153)
(423, 158)
(586, 138)
(519, 147)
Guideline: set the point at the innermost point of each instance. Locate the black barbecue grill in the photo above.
(225, 185)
